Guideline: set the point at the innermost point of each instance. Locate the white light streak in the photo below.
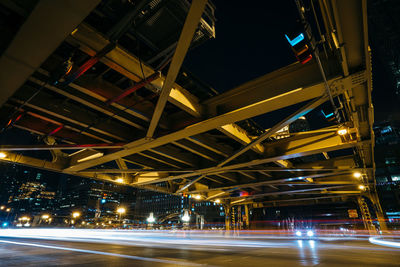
(376, 241)
(102, 253)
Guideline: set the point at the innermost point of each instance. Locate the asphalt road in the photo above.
(190, 250)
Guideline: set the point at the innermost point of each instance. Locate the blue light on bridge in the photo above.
(327, 115)
(296, 40)
(103, 201)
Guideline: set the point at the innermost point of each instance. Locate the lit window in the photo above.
(395, 178)
(381, 179)
(387, 129)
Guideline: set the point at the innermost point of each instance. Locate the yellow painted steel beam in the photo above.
(289, 192)
(123, 62)
(185, 39)
(235, 132)
(90, 42)
(297, 146)
(329, 175)
(282, 100)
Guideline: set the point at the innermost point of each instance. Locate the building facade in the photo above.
(387, 160)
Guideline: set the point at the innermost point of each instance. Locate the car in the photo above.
(304, 233)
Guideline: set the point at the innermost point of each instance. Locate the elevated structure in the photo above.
(101, 84)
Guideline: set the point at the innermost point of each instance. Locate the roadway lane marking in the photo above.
(104, 253)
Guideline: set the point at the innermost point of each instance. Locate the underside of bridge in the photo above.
(101, 86)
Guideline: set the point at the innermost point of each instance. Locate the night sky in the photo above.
(249, 43)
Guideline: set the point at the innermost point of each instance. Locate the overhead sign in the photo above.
(353, 213)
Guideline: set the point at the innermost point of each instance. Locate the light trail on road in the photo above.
(102, 253)
(193, 248)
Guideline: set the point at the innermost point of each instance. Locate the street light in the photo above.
(2, 155)
(217, 201)
(45, 216)
(342, 131)
(121, 211)
(76, 214)
(24, 221)
(119, 180)
(186, 217)
(357, 174)
(2, 207)
(361, 187)
(151, 218)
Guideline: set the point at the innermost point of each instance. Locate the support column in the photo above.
(366, 215)
(378, 210)
(227, 209)
(247, 217)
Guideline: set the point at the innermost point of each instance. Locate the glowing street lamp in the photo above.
(120, 212)
(76, 214)
(2, 207)
(2, 155)
(198, 197)
(361, 187)
(342, 131)
(217, 201)
(357, 174)
(24, 219)
(186, 217)
(45, 216)
(151, 218)
(119, 180)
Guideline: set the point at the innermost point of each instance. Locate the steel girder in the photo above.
(285, 87)
(298, 146)
(59, 165)
(192, 20)
(282, 99)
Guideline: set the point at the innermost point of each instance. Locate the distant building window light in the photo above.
(387, 129)
(390, 161)
(381, 179)
(395, 178)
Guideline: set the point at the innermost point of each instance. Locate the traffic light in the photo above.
(300, 47)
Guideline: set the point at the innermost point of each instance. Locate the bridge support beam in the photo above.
(228, 214)
(378, 210)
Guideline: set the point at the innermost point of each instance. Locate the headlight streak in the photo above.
(135, 238)
(185, 263)
(178, 239)
(381, 242)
